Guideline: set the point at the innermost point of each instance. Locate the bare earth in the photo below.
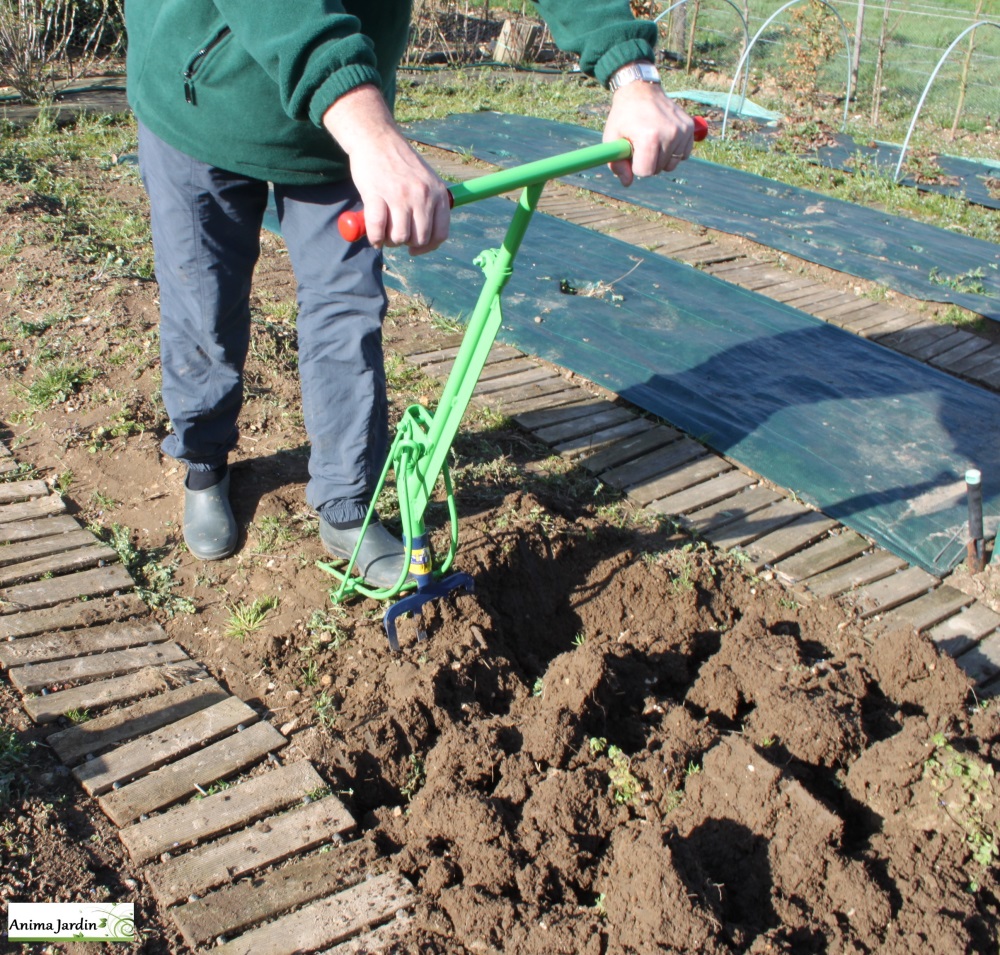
(622, 743)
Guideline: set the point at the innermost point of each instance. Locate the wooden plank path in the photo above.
(667, 472)
(149, 733)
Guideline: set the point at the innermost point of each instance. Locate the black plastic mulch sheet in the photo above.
(877, 440)
(916, 259)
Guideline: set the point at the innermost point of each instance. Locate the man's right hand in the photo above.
(405, 201)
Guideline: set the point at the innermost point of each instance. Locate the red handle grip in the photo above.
(352, 224)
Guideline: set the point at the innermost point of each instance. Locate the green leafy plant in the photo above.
(57, 384)
(416, 776)
(625, 787)
(325, 707)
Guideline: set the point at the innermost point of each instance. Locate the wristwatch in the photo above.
(640, 71)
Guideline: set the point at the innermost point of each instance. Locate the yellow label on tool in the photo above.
(420, 561)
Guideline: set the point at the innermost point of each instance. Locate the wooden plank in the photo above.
(91, 554)
(328, 922)
(39, 676)
(957, 355)
(831, 552)
(506, 382)
(957, 634)
(982, 661)
(417, 346)
(83, 613)
(234, 908)
(935, 346)
(544, 417)
(848, 304)
(388, 939)
(811, 293)
(513, 404)
(768, 550)
(267, 842)
(132, 760)
(509, 366)
(501, 398)
(222, 812)
(659, 487)
(78, 643)
(28, 510)
(14, 491)
(755, 525)
(871, 318)
(856, 573)
(701, 495)
(789, 288)
(707, 520)
(576, 426)
(928, 610)
(677, 243)
(891, 592)
(90, 738)
(576, 447)
(91, 696)
(48, 593)
(972, 363)
(40, 527)
(628, 449)
(173, 782)
(653, 465)
(899, 321)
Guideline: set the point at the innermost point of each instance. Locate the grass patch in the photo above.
(245, 619)
(56, 385)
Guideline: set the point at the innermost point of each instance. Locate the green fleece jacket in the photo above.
(244, 84)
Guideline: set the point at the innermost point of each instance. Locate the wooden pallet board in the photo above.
(595, 441)
(89, 554)
(828, 553)
(210, 816)
(698, 496)
(14, 491)
(40, 676)
(175, 781)
(103, 693)
(967, 347)
(78, 643)
(174, 741)
(328, 922)
(560, 396)
(893, 591)
(39, 527)
(84, 613)
(926, 611)
(545, 417)
(48, 593)
(696, 469)
(263, 844)
(575, 426)
(707, 520)
(936, 346)
(392, 937)
(643, 470)
(799, 534)
(628, 449)
(758, 524)
(981, 662)
(518, 379)
(854, 574)
(29, 510)
(234, 908)
(514, 398)
(96, 735)
(957, 634)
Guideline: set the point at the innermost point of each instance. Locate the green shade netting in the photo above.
(916, 259)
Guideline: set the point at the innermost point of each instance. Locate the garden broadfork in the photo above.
(419, 453)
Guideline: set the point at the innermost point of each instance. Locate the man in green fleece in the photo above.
(232, 96)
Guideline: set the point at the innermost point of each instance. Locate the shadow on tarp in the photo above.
(874, 438)
(911, 257)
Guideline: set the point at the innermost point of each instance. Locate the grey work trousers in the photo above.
(206, 239)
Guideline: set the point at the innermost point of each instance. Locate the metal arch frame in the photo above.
(930, 83)
(746, 56)
(746, 41)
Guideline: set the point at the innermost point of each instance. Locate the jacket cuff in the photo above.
(618, 56)
(341, 82)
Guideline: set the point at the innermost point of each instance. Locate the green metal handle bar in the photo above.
(423, 439)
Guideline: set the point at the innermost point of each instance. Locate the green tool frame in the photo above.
(419, 453)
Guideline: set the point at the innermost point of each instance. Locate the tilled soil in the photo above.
(622, 742)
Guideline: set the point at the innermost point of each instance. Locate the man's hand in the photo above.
(405, 202)
(661, 133)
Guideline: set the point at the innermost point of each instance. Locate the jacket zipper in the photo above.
(196, 61)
